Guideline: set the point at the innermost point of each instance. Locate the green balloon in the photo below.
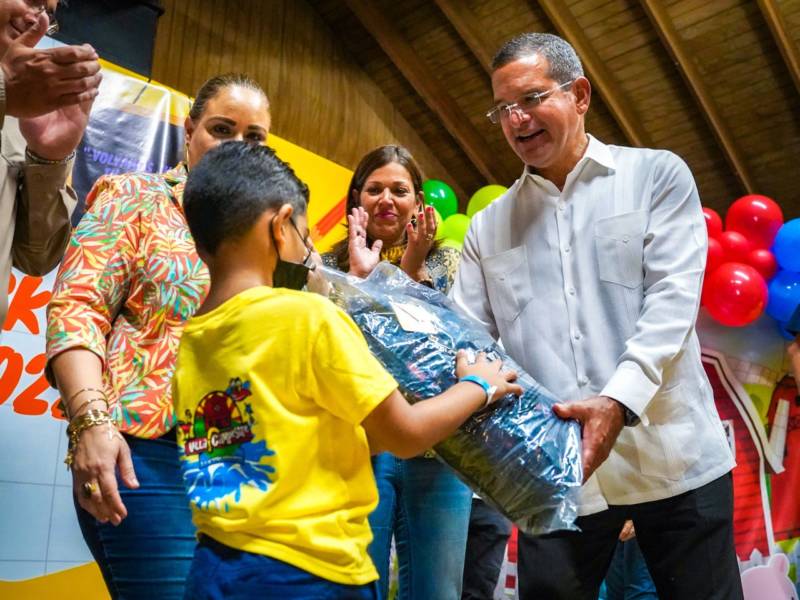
(455, 228)
(484, 197)
(440, 196)
(452, 244)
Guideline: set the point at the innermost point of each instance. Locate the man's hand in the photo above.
(41, 81)
(601, 419)
(53, 136)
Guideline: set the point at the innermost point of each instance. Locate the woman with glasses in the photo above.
(422, 503)
(130, 279)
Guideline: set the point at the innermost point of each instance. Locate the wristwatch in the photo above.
(489, 389)
(631, 418)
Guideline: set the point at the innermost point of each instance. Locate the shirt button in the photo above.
(583, 380)
(625, 239)
(571, 291)
(567, 249)
(576, 336)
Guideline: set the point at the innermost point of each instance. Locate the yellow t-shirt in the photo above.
(270, 389)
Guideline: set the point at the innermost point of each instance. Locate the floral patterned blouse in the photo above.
(130, 279)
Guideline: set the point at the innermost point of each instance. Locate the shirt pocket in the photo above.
(508, 282)
(619, 242)
(669, 446)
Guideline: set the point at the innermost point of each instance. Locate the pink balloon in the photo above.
(756, 217)
(716, 255)
(735, 245)
(735, 294)
(763, 261)
(713, 222)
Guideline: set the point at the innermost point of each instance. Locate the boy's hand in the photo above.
(492, 372)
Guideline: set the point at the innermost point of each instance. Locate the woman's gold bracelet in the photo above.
(91, 418)
(86, 403)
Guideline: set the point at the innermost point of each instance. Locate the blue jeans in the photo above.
(148, 555)
(628, 577)
(427, 508)
(223, 573)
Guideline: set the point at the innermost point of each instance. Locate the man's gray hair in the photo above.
(561, 57)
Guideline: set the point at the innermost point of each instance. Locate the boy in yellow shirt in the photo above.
(280, 401)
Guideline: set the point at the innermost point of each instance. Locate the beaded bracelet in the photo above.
(38, 160)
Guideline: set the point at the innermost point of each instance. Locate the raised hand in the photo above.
(39, 81)
(420, 241)
(362, 258)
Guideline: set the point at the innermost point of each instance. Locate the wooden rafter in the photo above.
(463, 21)
(569, 28)
(784, 41)
(669, 36)
(423, 80)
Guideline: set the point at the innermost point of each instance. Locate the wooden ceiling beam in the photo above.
(600, 76)
(791, 56)
(434, 94)
(663, 25)
(463, 21)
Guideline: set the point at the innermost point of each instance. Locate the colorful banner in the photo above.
(135, 125)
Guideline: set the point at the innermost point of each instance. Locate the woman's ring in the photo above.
(89, 488)
(429, 237)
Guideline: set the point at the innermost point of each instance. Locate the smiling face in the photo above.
(234, 113)
(17, 16)
(549, 137)
(390, 200)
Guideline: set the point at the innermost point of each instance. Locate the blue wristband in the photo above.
(487, 389)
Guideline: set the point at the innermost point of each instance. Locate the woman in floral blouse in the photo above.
(421, 502)
(130, 279)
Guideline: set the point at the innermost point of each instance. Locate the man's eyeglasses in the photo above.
(39, 7)
(526, 104)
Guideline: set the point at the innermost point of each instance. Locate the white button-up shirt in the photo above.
(594, 290)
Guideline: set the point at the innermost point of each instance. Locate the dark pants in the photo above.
(148, 555)
(486, 545)
(687, 542)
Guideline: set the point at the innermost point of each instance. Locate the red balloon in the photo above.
(735, 245)
(756, 217)
(716, 255)
(763, 261)
(713, 222)
(735, 294)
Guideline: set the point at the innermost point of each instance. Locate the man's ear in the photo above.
(583, 94)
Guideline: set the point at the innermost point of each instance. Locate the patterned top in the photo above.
(130, 279)
(441, 262)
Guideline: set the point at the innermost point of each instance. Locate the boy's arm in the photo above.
(406, 431)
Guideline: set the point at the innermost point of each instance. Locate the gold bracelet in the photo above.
(66, 403)
(91, 418)
(86, 403)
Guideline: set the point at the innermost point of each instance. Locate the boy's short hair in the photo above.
(232, 186)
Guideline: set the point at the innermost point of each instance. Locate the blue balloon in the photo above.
(786, 246)
(784, 332)
(784, 295)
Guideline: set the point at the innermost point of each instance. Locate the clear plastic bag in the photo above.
(516, 454)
